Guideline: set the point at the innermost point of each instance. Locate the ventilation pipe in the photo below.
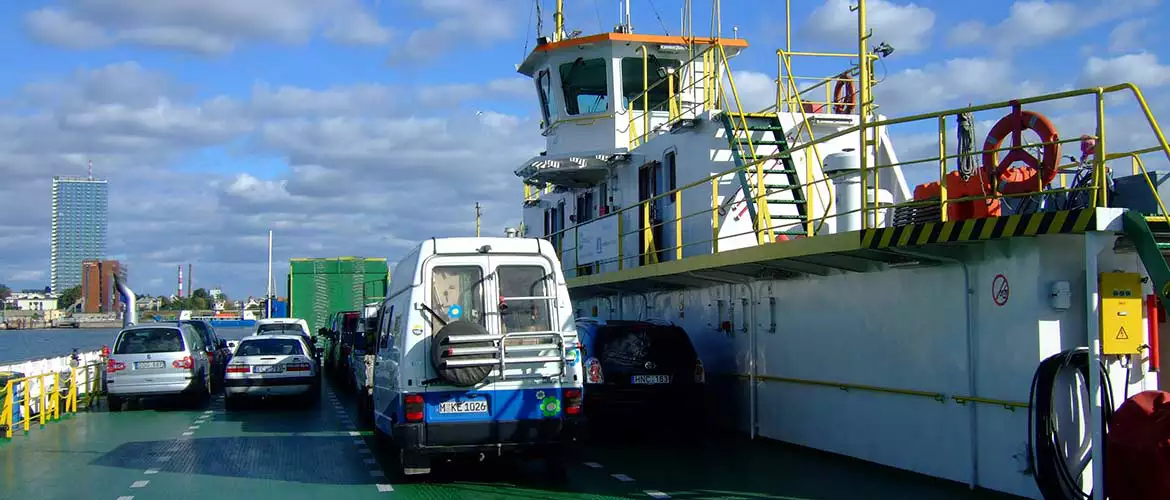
(130, 317)
(845, 169)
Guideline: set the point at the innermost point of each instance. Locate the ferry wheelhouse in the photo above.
(847, 308)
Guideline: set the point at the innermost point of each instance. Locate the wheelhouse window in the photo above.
(458, 286)
(544, 89)
(522, 306)
(585, 85)
(585, 207)
(657, 70)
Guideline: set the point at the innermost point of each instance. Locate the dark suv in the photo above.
(217, 350)
(639, 369)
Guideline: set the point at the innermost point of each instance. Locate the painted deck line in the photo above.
(593, 465)
(655, 494)
(151, 471)
(623, 478)
(188, 433)
(354, 433)
(126, 498)
(385, 488)
(139, 484)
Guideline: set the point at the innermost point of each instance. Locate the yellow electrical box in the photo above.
(1122, 328)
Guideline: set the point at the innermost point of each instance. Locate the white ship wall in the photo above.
(903, 328)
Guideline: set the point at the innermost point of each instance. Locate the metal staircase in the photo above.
(745, 133)
(1151, 238)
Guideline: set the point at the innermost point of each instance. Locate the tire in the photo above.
(114, 403)
(464, 376)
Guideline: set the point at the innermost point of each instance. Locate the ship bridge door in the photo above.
(650, 214)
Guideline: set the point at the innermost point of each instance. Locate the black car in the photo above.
(638, 370)
(217, 349)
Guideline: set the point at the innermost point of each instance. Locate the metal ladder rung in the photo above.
(455, 363)
(465, 351)
(463, 339)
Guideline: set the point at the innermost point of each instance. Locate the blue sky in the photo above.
(356, 127)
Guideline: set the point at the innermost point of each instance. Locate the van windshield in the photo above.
(149, 341)
(280, 329)
(269, 347)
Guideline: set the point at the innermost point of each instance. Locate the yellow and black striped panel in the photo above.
(989, 228)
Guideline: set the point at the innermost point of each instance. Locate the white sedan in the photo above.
(272, 365)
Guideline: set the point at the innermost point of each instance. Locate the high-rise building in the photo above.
(97, 286)
(80, 210)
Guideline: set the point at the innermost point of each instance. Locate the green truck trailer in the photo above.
(319, 287)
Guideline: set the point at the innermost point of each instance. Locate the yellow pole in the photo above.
(559, 21)
(714, 215)
(678, 217)
(942, 166)
(645, 91)
(863, 108)
(621, 238)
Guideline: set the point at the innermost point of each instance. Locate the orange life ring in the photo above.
(1023, 179)
(844, 98)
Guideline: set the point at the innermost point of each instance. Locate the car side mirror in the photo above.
(222, 344)
(323, 331)
(320, 351)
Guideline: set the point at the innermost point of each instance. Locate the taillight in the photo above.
(298, 367)
(593, 374)
(237, 369)
(113, 366)
(414, 407)
(700, 373)
(184, 364)
(572, 401)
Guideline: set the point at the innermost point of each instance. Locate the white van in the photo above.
(477, 354)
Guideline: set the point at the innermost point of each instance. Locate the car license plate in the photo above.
(651, 379)
(143, 365)
(266, 369)
(472, 406)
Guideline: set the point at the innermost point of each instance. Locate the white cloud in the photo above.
(457, 22)
(906, 26)
(203, 26)
(364, 175)
(1035, 22)
(1141, 69)
(1128, 35)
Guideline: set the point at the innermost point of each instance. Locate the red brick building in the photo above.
(97, 286)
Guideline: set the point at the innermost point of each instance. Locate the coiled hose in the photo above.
(1049, 463)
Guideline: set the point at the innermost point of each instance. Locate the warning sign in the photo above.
(1121, 335)
(1000, 290)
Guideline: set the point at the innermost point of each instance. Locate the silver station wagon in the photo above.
(158, 360)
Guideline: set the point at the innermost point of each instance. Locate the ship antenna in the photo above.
(89, 169)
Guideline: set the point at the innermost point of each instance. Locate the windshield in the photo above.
(269, 347)
(625, 347)
(280, 329)
(149, 341)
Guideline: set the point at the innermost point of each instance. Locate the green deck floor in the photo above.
(290, 453)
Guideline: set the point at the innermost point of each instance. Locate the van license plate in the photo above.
(266, 369)
(141, 365)
(651, 379)
(475, 406)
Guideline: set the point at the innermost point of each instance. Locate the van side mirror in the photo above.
(222, 344)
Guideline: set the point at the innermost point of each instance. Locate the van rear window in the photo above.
(149, 341)
(269, 347)
(280, 329)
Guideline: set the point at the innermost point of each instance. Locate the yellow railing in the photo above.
(709, 187)
(45, 394)
(932, 395)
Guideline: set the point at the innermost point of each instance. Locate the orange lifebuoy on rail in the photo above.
(1022, 179)
(844, 98)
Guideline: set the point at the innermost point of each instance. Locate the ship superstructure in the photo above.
(849, 309)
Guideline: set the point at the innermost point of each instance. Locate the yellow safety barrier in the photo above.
(46, 391)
